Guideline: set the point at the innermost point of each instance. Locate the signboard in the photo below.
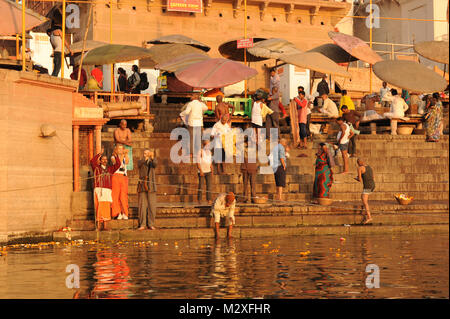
(88, 113)
(195, 6)
(245, 43)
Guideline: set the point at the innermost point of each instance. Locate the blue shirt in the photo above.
(278, 153)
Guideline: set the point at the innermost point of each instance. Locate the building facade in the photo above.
(406, 32)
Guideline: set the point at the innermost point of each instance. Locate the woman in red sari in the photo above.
(102, 187)
(323, 174)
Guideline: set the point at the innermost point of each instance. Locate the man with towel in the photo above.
(122, 136)
(102, 187)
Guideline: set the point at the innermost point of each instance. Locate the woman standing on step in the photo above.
(365, 175)
(323, 173)
(120, 184)
(433, 118)
(102, 187)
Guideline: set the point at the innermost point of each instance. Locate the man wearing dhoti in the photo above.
(102, 187)
(122, 136)
(224, 206)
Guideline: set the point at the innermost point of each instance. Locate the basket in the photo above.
(260, 200)
(402, 201)
(405, 130)
(325, 201)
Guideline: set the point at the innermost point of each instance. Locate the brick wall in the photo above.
(28, 161)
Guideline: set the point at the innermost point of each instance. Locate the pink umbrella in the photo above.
(215, 73)
(11, 21)
(355, 47)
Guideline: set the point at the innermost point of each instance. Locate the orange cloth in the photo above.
(98, 76)
(119, 195)
(102, 209)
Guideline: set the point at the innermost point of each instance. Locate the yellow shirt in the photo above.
(346, 100)
(265, 111)
(92, 85)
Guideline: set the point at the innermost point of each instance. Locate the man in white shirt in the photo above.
(329, 107)
(274, 80)
(224, 206)
(397, 111)
(219, 129)
(385, 95)
(204, 165)
(194, 110)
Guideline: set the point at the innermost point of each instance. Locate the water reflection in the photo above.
(411, 266)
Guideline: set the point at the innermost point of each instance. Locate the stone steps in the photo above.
(287, 216)
(401, 164)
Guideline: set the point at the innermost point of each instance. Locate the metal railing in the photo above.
(242, 106)
(118, 97)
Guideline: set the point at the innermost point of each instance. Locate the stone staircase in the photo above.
(405, 164)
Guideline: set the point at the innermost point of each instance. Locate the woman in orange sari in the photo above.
(103, 187)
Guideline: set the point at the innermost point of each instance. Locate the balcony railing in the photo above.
(121, 99)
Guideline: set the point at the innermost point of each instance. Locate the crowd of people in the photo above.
(111, 182)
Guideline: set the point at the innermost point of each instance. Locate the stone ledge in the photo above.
(248, 232)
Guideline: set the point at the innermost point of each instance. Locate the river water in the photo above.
(410, 266)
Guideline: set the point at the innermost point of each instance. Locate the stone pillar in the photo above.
(76, 158)
(98, 139)
(91, 144)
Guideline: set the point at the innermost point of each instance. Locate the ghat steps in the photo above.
(404, 164)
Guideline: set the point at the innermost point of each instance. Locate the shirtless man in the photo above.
(122, 134)
(223, 108)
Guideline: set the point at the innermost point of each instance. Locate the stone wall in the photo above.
(30, 163)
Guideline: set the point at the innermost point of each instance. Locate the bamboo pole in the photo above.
(84, 45)
(17, 42)
(23, 36)
(245, 49)
(110, 41)
(63, 49)
(370, 39)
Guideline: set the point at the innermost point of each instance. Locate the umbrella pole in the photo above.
(63, 50)
(445, 69)
(371, 17)
(245, 49)
(17, 42)
(23, 35)
(111, 40)
(311, 82)
(345, 79)
(84, 46)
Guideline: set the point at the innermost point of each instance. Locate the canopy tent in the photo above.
(181, 62)
(273, 48)
(162, 53)
(215, 73)
(77, 47)
(115, 53)
(316, 62)
(179, 39)
(410, 75)
(433, 50)
(11, 18)
(230, 51)
(355, 47)
(334, 53)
